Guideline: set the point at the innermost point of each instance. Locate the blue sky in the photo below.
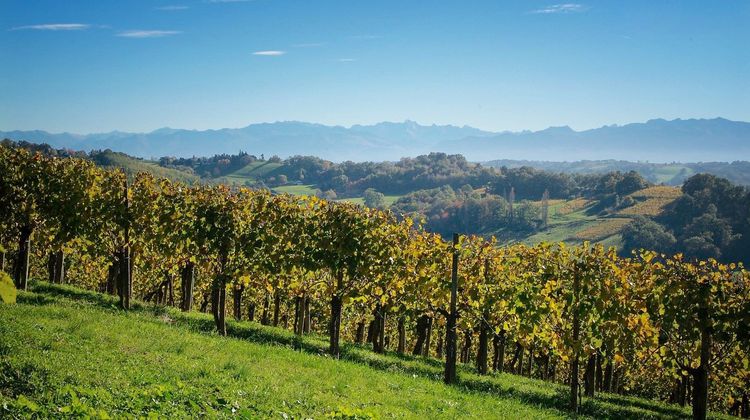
(102, 65)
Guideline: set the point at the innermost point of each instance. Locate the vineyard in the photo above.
(651, 201)
(653, 326)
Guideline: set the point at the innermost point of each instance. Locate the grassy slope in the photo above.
(389, 199)
(296, 189)
(68, 350)
(668, 174)
(251, 172)
(310, 190)
(133, 166)
(256, 170)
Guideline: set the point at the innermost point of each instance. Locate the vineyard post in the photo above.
(251, 312)
(421, 335)
(607, 386)
(276, 307)
(376, 338)
(700, 374)
(334, 327)
(576, 336)
(599, 371)
(60, 267)
(223, 304)
(401, 335)
(125, 275)
(531, 360)
(51, 267)
(450, 331)
(306, 324)
(428, 338)
(482, 351)
(590, 375)
(265, 317)
(380, 333)
(218, 292)
(22, 264)
(237, 291)
(188, 284)
(498, 341)
(439, 347)
(297, 315)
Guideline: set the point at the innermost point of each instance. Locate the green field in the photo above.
(310, 190)
(252, 172)
(263, 169)
(295, 189)
(389, 200)
(69, 352)
(562, 226)
(133, 166)
(668, 174)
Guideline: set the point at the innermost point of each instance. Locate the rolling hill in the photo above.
(133, 166)
(574, 221)
(738, 172)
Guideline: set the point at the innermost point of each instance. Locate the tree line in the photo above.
(435, 170)
(675, 173)
(651, 325)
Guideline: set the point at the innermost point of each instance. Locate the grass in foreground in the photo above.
(71, 352)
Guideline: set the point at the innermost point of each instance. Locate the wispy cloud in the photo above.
(54, 27)
(308, 45)
(173, 7)
(561, 8)
(147, 33)
(270, 53)
(346, 60)
(366, 37)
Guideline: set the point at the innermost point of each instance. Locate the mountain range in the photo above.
(658, 140)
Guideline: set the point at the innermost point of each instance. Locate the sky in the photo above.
(136, 65)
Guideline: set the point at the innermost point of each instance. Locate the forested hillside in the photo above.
(737, 172)
(711, 219)
(663, 327)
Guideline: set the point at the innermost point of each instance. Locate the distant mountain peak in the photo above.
(558, 129)
(656, 140)
(164, 130)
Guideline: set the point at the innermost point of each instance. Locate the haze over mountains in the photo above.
(692, 140)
